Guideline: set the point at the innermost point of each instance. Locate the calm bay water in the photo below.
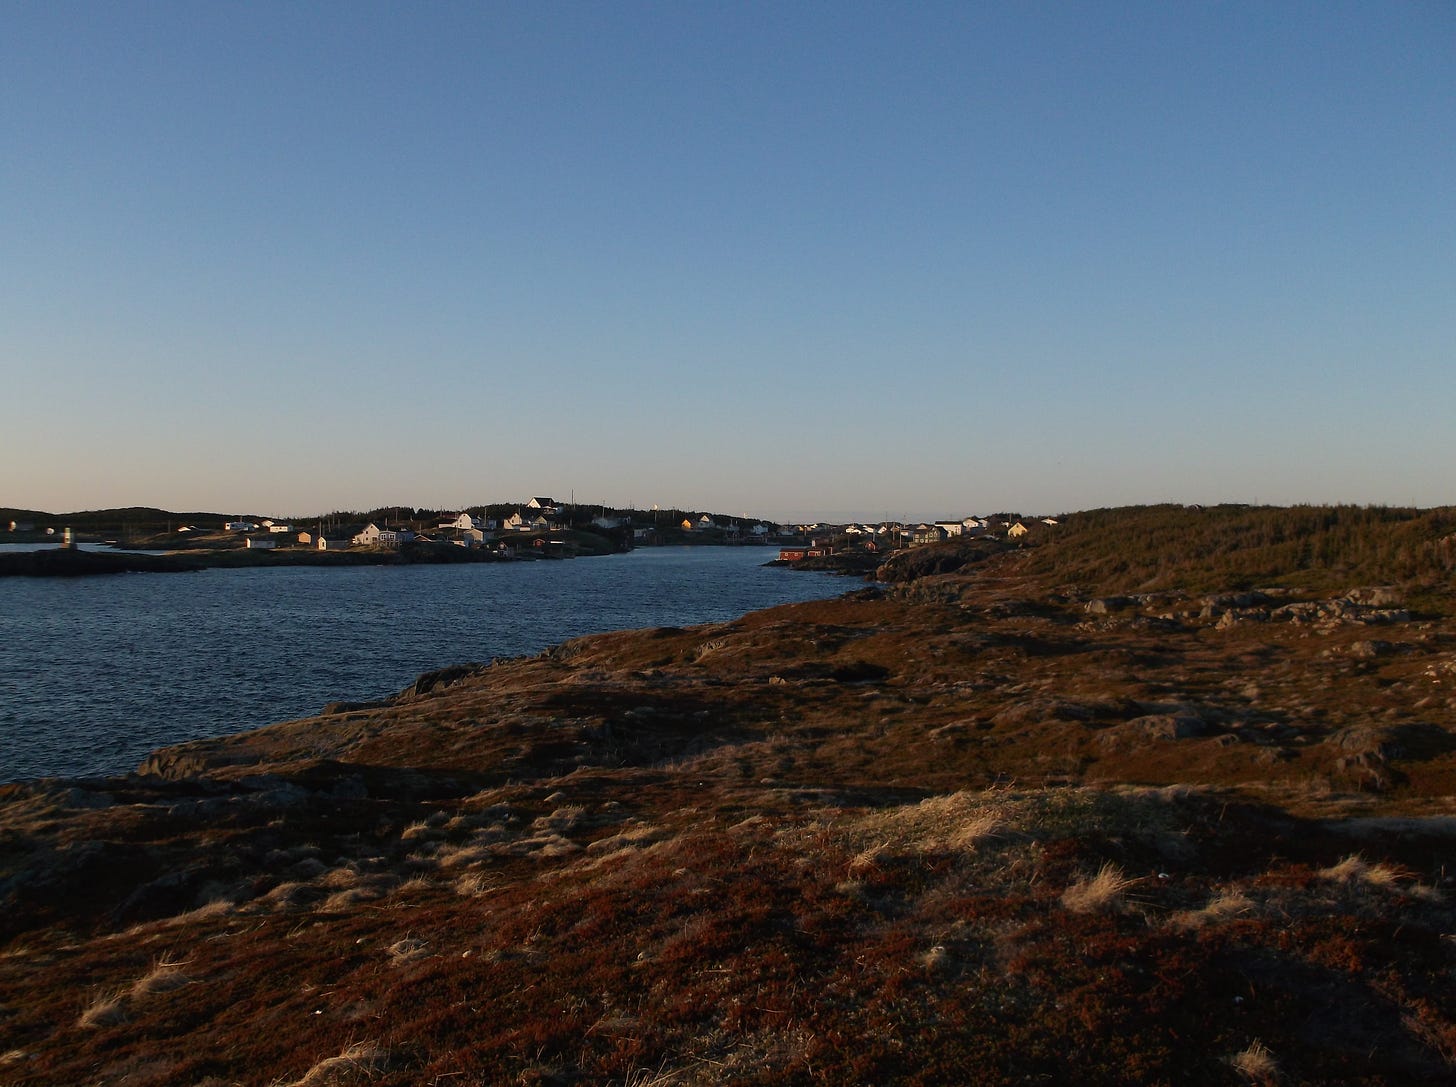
(96, 672)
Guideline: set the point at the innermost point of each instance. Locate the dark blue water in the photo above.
(96, 672)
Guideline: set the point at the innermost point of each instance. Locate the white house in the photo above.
(374, 536)
(951, 528)
(240, 526)
(261, 543)
(276, 527)
(461, 521)
(546, 505)
(1016, 531)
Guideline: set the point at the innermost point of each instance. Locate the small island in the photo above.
(73, 562)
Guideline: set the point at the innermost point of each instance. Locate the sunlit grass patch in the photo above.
(407, 949)
(869, 858)
(1105, 892)
(977, 829)
(112, 1007)
(418, 829)
(288, 894)
(1256, 1064)
(358, 1060)
(1227, 904)
(561, 820)
(105, 1010)
(341, 901)
(216, 907)
(473, 884)
(166, 974)
(1355, 869)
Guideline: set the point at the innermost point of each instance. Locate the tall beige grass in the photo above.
(357, 1059)
(1256, 1064)
(1228, 903)
(1106, 892)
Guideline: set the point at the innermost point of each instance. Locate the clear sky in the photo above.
(819, 260)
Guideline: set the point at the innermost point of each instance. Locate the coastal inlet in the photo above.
(96, 672)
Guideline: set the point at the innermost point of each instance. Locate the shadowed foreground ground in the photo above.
(981, 826)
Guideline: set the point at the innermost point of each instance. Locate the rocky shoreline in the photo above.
(72, 562)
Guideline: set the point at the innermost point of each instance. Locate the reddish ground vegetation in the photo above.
(981, 826)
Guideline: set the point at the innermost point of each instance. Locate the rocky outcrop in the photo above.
(69, 562)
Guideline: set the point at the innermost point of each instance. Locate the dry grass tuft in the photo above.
(1256, 1064)
(473, 884)
(975, 831)
(937, 960)
(360, 1059)
(286, 894)
(339, 878)
(408, 950)
(1355, 869)
(1228, 903)
(217, 907)
(867, 860)
(110, 1008)
(646, 1077)
(561, 820)
(105, 1011)
(1106, 892)
(341, 901)
(456, 856)
(960, 822)
(545, 846)
(165, 976)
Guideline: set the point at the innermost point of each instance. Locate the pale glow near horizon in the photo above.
(796, 263)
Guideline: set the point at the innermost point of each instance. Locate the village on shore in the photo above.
(538, 527)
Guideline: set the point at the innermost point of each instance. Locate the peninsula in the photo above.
(1165, 795)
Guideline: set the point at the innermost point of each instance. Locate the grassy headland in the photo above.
(1162, 796)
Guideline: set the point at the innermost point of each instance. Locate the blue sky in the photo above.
(793, 260)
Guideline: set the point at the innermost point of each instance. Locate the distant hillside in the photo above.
(131, 516)
(1157, 548)
(1149, 548)
(7, 514)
